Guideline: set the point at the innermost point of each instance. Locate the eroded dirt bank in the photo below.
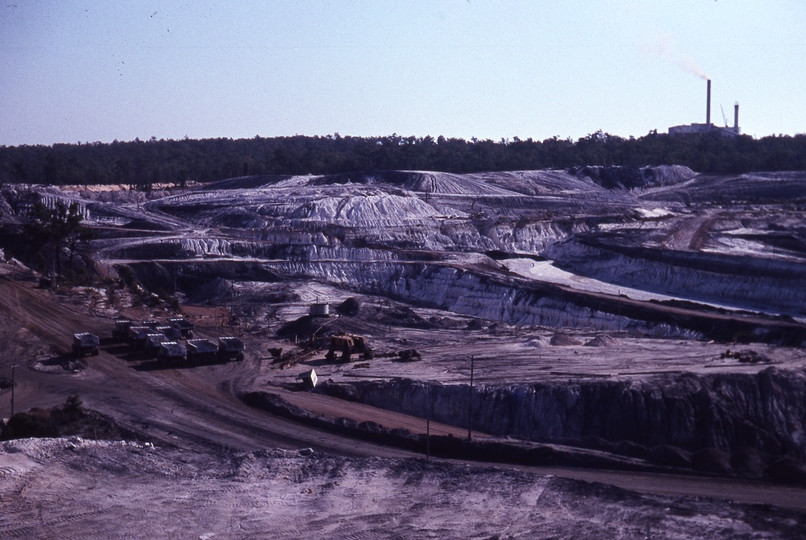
(745, 424)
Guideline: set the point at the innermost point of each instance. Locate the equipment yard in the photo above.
(637, 359)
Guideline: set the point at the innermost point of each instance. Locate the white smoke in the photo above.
(664, 46)
(690, 65)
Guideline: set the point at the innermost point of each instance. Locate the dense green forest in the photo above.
(143, 163)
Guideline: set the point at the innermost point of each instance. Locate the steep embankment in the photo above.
(726, 422)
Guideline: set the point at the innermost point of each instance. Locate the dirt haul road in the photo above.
(198, 408)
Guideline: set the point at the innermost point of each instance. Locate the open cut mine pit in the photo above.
(643, 328)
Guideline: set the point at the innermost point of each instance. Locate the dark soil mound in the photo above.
(142, 224)
(349, 307)
(602, 341)
(787, 471)
(70, 419)
(214, 292)
(475, 324)
(669, 456)
(561, 340)
(301, 328)
(405, 316)
(634, 177)
(748, 460)
(711, 460)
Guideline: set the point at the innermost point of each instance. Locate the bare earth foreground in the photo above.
(652, 337)
(87, 489)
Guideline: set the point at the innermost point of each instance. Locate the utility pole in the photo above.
(470, 402)
(12, 389)
(428, 427)
(232, 303)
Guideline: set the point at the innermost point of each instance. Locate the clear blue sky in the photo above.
(102, 70)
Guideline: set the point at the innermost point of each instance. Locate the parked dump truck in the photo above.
(153, 343)
(121, 330)
(229, 348)
(169, 332)
(184, 326)
(171, 352)
(201, 351)
(85, 343)
(138, 336)
(345, 345)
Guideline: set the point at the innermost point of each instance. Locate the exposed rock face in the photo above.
(768, 284)
(727, 412)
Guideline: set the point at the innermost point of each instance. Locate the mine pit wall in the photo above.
(765, 412)
(514, 302)
(774, 286)
(468, 293)
(531, 237)
(428, 285)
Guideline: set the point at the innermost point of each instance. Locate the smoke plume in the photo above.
(690, 65)
(663, 46)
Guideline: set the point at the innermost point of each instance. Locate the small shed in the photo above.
(308, 378)
(320, 310)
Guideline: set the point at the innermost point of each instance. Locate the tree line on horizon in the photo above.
(142, 164)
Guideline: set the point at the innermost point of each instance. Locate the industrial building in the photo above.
(708, 127)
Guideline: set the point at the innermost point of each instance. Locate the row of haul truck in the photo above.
(163, 341)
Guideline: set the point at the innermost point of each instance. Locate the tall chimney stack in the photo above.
(736, 118)
(708, 106)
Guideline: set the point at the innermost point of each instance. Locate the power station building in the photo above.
(708, 127)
